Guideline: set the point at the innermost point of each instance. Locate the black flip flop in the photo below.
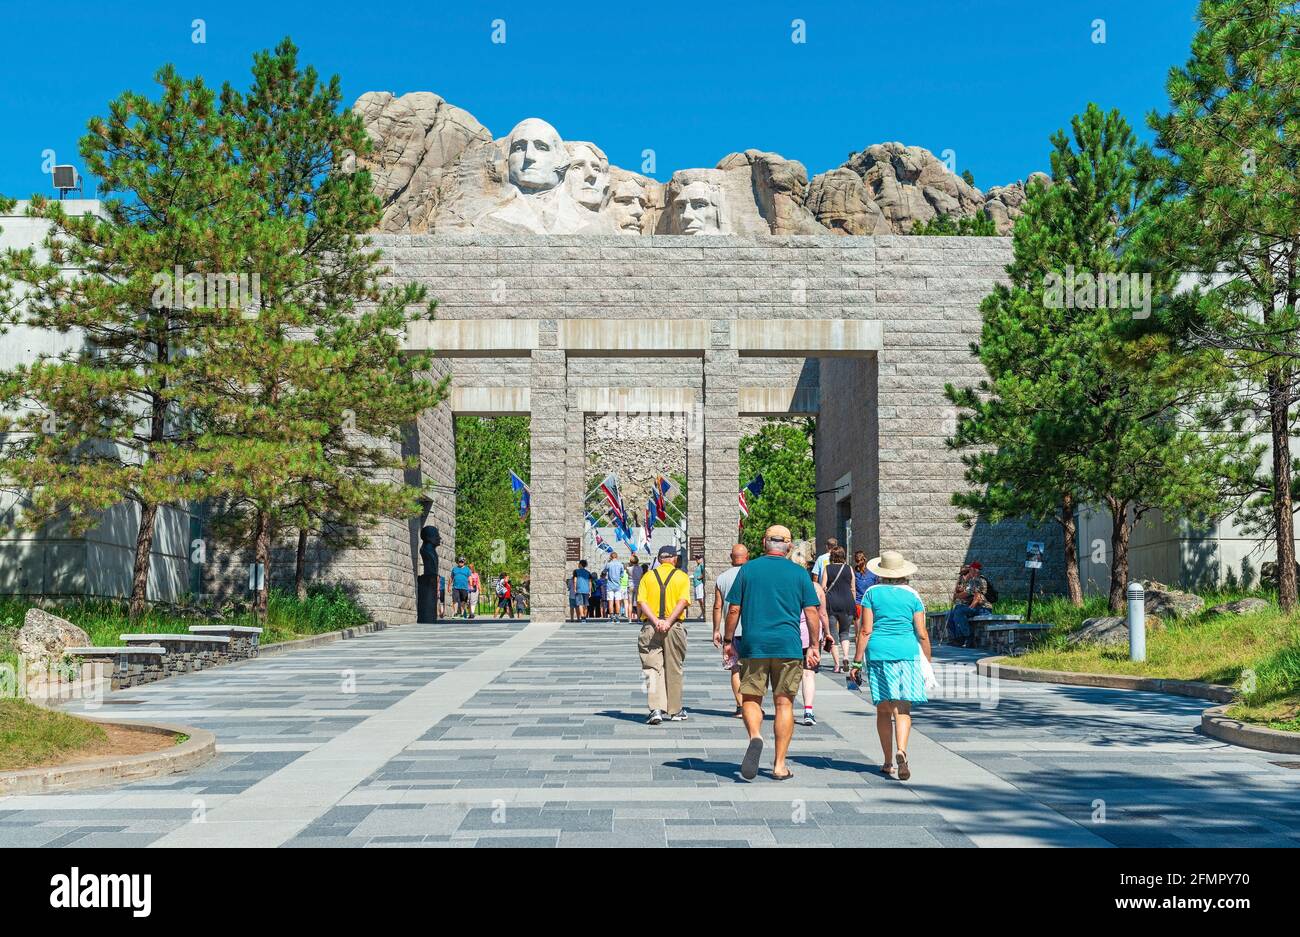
(785, 777)
(749, 765)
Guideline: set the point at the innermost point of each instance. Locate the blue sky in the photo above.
(692, 81)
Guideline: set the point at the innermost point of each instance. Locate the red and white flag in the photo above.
(610, 488)
(744, 506)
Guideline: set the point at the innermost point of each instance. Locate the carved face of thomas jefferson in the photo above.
(536, 156)
(699, 209)
(588, 176)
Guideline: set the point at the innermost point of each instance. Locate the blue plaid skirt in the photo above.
(896, 680)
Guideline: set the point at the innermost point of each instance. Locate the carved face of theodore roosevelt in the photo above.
(536, 156)
(627, 205)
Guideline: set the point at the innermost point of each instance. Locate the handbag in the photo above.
(927, 675)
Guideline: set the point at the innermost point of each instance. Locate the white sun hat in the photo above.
(890, 564)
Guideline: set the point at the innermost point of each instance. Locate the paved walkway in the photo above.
(503, 734)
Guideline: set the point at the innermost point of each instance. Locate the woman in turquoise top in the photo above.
(892, 632)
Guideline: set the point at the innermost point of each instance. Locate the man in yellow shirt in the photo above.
(663, 597)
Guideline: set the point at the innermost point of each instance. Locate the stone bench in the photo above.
(135, 665)
(1006, 634)
(244, 639)
(185, 652)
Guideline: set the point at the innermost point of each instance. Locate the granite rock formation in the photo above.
(438, 169)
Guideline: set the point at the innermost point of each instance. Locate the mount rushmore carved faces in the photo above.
(588, 175)
(699, 209)
(627, 206)
(536, 156)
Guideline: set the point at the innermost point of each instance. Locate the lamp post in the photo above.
(1137, 622)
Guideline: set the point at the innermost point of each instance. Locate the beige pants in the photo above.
(662, 656)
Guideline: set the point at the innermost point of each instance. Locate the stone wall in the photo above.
(925, 293)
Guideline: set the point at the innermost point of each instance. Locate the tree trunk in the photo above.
(143, 548)
(1070, 545)
(300, 564)
(1279, 399)
(262, 555)
(1121, 528)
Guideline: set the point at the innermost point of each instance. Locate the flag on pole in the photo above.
(525, 496)
(755, 486)
(591, 521)
(610, 488)
(744, 505)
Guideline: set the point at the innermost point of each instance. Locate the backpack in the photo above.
(990, 590)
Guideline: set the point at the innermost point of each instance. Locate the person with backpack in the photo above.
(505, 608)
(837, 581)
(663, 597)
(973, 596)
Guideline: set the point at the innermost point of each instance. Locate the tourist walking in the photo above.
(697, 585)
(614, 583)
(895, 640)
(505, 607)
(473, 591)
(460, 588)
(730, 662)
(623, 585)
(635, 572)
(808, 685)
(838, 583)
(768, 595)
(581, 580)
(664, 598)
(825, 557)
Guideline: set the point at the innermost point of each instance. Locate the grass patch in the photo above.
(1259, 652)
(31, 736)
(326, 608)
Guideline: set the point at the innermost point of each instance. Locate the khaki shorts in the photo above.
(785, 676)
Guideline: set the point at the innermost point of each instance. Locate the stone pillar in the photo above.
(695, 470)
(549, 436)
(575, 471)
(721, 452)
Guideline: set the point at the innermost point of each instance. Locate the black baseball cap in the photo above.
(667, 551)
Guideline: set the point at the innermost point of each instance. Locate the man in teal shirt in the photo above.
(769, 595)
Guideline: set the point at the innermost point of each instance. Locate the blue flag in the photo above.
(525, 496)
(755, 487)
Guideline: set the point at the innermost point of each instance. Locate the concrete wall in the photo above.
(99, 562)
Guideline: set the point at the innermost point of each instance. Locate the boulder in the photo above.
(1165, 602)
(1240, 607)
(778, 190)
(911, 186)
(416, 138)
(45, 637)
(1108, 631)
(840, 202)
(1005, 203)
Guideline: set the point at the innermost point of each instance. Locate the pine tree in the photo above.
(1088, 400)
(1230, 171)
(314, 387)
(108, 420)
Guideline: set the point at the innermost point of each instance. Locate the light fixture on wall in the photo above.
(66, 179)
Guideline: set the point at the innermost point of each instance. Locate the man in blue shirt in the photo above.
(460, 587)
(614, 573)
(770, 594)
(582, 587)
